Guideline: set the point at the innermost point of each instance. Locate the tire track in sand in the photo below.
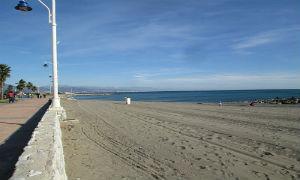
(130, 155)
(211, 142)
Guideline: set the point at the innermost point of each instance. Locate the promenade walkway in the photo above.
(17, 122)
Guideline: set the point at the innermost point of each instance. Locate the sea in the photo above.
(196, 96)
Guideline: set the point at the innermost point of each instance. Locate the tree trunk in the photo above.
(2, 90)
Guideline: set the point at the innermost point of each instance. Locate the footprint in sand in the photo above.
(267, 153)
(164, 139)
(292, 166)
(202, 167)
(220, 138)
(191, 147)
(264, 163)
(182, 147)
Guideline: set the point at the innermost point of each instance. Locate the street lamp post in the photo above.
(23, 6)
(56, 101)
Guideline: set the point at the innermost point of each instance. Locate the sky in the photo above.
(160, 44)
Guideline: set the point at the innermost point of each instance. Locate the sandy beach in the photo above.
(151, 140)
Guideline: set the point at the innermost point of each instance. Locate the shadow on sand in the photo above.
(13, 147)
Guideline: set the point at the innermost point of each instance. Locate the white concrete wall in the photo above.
(43, 157)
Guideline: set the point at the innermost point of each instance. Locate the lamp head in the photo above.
(23, 6)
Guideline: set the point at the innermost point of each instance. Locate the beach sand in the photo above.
(151, 140)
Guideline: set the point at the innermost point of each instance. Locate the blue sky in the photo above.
(163, 44)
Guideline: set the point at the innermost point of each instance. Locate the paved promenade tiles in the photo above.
(13, 116)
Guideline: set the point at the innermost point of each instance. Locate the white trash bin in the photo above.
(128, 100)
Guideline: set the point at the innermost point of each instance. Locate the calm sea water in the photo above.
(197, 96)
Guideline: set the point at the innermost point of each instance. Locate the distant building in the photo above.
(69, 93)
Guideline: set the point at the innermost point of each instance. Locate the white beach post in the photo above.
(220, 104)
(127, 100)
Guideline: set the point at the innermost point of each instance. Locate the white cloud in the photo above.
(256, 40)
(138, 76)
(263, 38)
(131, 39)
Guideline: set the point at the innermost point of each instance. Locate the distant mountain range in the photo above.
(95, 90)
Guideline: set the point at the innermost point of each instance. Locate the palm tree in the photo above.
(21, 85)
(29, 86)
(10, 88)
(34, 88)
(4, 74)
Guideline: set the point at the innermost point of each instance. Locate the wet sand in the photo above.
(111, 140)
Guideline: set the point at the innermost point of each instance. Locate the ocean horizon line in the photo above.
(136, 91)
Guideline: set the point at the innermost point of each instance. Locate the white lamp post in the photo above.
(23, 6)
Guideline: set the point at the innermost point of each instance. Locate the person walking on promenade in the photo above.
(11, 96)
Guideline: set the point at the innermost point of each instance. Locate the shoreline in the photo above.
(232, 103)
(241, 96)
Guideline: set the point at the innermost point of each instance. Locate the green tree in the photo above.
(4, 74)
(34, 88)
(29, 86)
(10, 88)
(21, 85)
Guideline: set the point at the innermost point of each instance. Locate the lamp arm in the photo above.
(49, 11)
